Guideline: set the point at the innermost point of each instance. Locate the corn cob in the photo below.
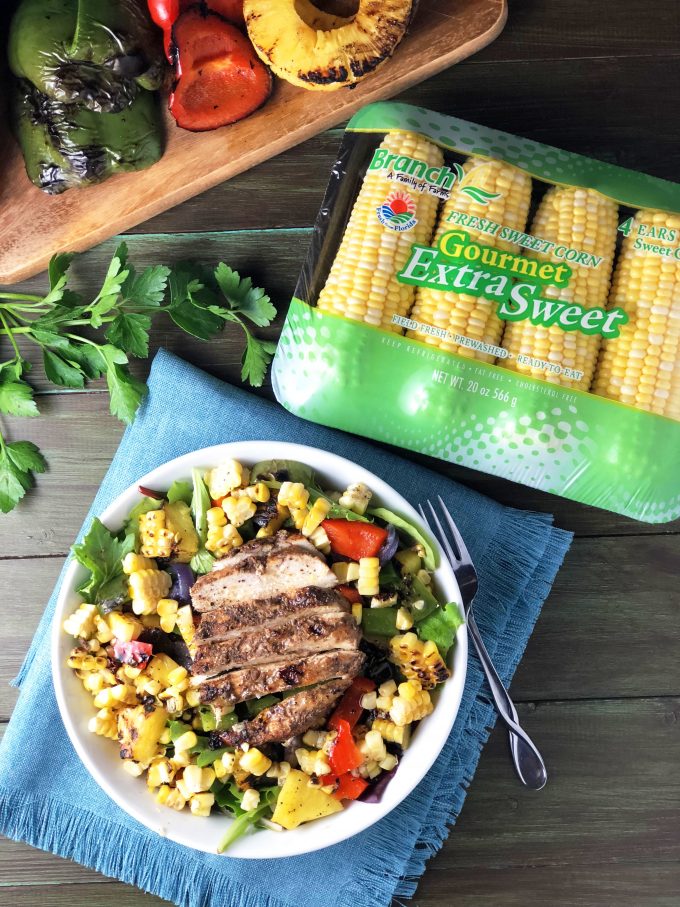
(585, 220)
(462, 313)
(410, 705)
(368, 579)
(419, 661)
(392, 733)
(238, 509)
(641, 367)
(155, 539)
(316, 516)
(356, 497)
(82, 623)
(362, 283)
(201, 804)
(225, 478)
(147, 587)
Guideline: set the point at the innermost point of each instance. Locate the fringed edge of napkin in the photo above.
(439, 799)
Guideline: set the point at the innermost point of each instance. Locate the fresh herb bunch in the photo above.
(117, 320)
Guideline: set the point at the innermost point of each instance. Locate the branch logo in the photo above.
(397, 211)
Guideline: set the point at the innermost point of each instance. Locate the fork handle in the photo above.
(526, 758)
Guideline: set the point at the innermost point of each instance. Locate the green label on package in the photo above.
(495, 303)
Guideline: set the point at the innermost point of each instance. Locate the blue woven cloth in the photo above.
(49, 800)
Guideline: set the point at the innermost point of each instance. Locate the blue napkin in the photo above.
(48, 799)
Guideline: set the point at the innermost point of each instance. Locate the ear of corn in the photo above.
(418, 660)
(641, 367)
(461, 313)
(585, 220)
(362, 283)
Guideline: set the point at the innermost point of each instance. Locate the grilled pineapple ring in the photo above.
(316, 50)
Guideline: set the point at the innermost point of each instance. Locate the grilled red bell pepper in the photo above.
(349, 708)
(349, 787)
(351, 538)
(133, 653)
(344, 754)
(350, 593)
(166, 12)
(220, 77)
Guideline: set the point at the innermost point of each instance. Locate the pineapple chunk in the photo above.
(178, 520)
(160, 667)
(298, 802)
(139, 732)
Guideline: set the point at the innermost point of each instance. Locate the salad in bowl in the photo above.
(254, 644)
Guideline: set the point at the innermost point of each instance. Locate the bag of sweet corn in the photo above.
(496, 303)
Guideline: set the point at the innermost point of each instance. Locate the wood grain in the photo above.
(599, 683)
(599, 811)
(441, 35)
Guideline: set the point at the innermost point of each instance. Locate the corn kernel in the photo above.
(369, 570)
(255, 762)
(356, 498)
(251, 799)
(201, 804)
(186, 741)
(346, 571)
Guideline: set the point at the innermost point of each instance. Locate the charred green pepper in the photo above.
(66, 145)
(95, 53)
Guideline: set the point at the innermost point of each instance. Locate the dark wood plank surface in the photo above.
(599, 686)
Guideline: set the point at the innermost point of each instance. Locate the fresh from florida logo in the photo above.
(398, 211)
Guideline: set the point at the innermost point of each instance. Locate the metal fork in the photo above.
(526, 758)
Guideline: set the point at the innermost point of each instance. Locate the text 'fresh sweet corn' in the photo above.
(463, 313)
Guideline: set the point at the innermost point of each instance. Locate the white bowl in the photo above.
(100, 755)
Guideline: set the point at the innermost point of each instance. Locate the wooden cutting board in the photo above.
(33, 226)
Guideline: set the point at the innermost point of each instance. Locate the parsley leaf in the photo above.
(16, 397)
(62, 372)
(126, 391)
(251, 302)
(257, 356)
(146, 289)
(130, 332)
(107, 298)
(101, 553)
(17, 462)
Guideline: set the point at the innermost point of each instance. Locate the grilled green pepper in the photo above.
(96, 53)
(66, 145)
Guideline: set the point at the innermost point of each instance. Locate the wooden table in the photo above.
(599, 687)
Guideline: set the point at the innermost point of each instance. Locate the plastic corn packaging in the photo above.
(496, 303)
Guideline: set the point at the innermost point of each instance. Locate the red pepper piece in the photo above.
(349, 708)
(344, 754)
(350, 593)
(354, 539)
(220, 77)
(231, 10)
(132, 653)
(349, 787)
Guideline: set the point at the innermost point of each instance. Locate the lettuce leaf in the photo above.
(400, 522)
(441, 627)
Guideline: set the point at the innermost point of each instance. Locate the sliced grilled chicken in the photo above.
(268, 569)
(316, 632)
(263, 547)
(220, 622)
(277, 676)
(294, 715)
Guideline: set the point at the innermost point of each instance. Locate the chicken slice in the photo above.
(266, 572)
(219, 622)
(318, 631)
(293, 715)
(258, 680)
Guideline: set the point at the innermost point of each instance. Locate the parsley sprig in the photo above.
(82, 340)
